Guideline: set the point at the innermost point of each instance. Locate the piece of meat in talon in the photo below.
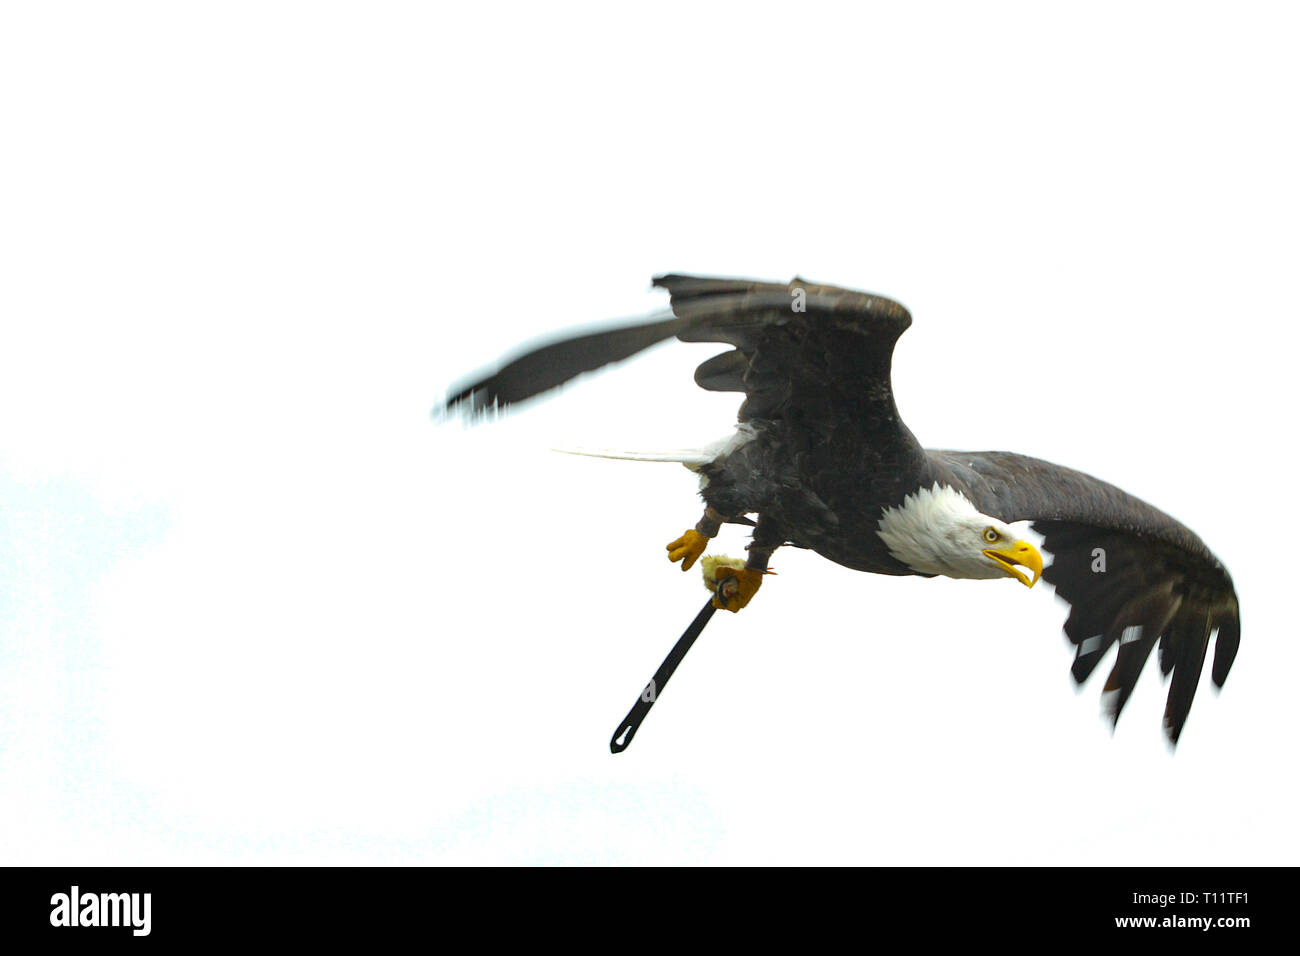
(687, 548)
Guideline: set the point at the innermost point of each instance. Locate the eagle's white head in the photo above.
(938, 531)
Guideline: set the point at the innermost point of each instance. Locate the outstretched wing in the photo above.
(1133, 576)
(549, 366)
(816, 351)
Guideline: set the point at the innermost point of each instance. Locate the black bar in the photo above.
(627, 729)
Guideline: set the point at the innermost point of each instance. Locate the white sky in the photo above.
(255, 607)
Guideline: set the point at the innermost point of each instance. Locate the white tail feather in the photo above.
(690, 457)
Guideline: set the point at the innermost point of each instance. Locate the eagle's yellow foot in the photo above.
(687, 548)
(733, 585)
(736, 588)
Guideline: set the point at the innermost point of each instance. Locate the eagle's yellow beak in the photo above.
(1023, 554)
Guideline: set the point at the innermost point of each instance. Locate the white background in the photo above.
(256, 607)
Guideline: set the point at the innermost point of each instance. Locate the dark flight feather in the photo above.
(550, 366)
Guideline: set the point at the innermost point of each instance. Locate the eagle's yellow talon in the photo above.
(687, 548)
(736, 588)
(732, 584)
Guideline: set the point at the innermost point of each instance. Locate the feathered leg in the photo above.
(734, 585)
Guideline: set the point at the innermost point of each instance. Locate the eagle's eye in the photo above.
(991, 535)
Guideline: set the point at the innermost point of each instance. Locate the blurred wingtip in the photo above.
(1172, 733)
(469, 406)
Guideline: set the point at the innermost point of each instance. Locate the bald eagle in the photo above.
(822, 459)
